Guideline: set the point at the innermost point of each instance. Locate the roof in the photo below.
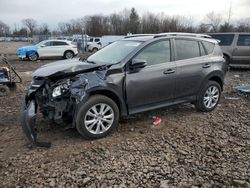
(146, 37)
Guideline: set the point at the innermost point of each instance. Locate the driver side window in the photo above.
(156, 53)
(48, 43)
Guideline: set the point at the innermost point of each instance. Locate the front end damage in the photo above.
(57, 98)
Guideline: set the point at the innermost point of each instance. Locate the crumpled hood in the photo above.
(64, 66)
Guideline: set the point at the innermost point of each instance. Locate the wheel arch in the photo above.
(215, 76)
(112, 95)
(69, 50)
(30, 52)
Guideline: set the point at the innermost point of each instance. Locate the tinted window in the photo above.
(91, 40)
(156, 53)
(243, 40)
(225, 39)
(97, 40)
(209, 47)
(59, 43)
(186, 49)
(48, 43)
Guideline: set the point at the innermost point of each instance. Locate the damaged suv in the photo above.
(133, 75)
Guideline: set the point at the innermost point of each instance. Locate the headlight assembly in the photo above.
(61, 88)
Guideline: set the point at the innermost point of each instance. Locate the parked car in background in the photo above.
(235, 47)
(96, 43)
(48, 48)
(126, 77)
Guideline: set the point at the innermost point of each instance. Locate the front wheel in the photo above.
(97, 117)
(33, 56)
(209, 97)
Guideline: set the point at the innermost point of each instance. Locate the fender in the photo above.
(215, 74)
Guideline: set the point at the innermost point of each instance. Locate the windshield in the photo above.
(114, 52)
(40, 43)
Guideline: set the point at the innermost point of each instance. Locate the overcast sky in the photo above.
(54, 11)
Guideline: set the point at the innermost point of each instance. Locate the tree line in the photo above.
(127, 21)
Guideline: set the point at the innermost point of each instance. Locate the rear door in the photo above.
(59, 47)
(154, 84)
(241, 53)
(192, 64)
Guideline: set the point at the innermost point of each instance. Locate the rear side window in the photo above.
(59, 43)
(243, 40)
(209, 46)
(156, 53)
(97, 40)
(186, 49)
(225, 39)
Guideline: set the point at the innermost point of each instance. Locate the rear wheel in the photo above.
(227, 59)
(209, 97)
(97, 117)
(94, 50)
(68, 55)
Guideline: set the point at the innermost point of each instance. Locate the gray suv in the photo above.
(235, 47)
(133, 75)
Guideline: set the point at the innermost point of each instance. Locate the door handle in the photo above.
(169, 71)
(206, 65)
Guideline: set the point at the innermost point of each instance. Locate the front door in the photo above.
(155, 83)
(241, 52)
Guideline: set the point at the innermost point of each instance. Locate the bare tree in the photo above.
(4, 29)
(31, 25)
(214, 20)
(44, 29)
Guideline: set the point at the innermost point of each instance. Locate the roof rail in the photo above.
(182, 34)
(138, 35)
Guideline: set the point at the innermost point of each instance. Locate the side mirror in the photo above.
(137, 64)
(42, 46)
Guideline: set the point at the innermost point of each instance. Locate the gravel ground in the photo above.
(187, 149)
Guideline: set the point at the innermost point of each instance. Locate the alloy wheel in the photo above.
(99, 118)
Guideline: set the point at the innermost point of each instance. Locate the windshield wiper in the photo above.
(84, 59)
(92, 62)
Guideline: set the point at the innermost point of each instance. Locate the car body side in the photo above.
(46, 51)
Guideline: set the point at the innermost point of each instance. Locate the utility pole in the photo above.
(230, 13)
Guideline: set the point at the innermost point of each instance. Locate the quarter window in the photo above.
(243, 40)
(156, 53)
(186, 49)
(209, 47)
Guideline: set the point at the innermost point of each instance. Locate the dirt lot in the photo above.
(187, 149)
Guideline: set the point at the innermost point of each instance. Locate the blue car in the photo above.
(48, 48)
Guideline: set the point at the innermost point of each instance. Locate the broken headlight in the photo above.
(61, 88)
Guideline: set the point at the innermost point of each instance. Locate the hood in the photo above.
(28, 48)
(63, 67)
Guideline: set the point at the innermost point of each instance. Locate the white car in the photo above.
(48, 48)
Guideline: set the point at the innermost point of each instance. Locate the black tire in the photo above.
(227, 59)
(68, 55)
(200, 106)
(84, 108)
(4, 90)
(33, 57)
(94, 50)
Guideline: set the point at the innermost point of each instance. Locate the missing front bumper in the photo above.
(28, 119)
